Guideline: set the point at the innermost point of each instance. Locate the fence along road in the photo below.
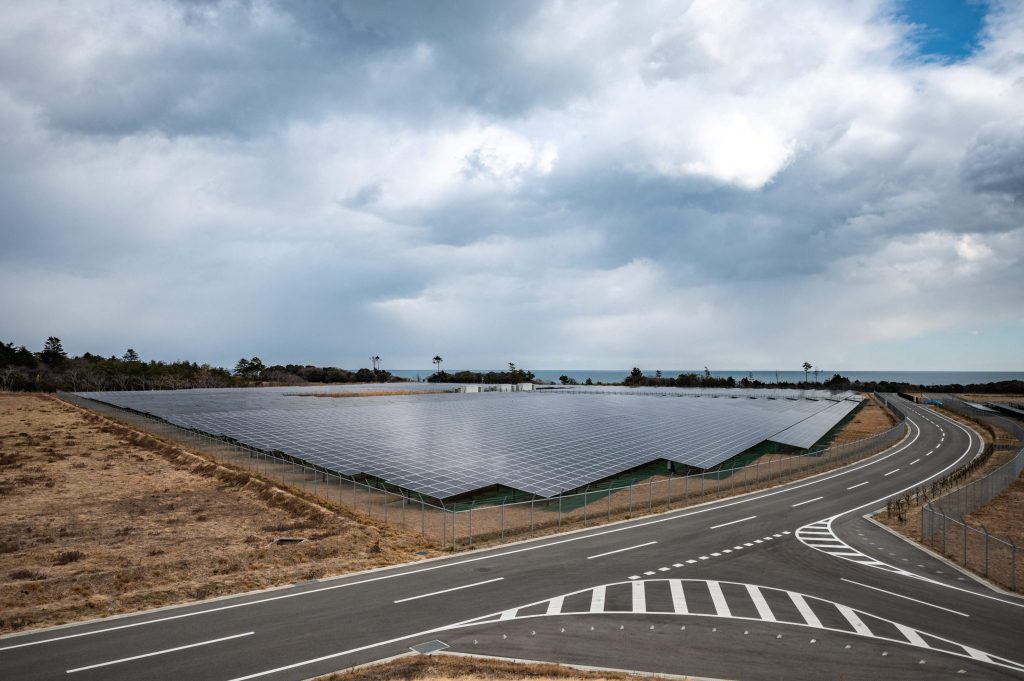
(942, 520)
(315, 628)
(462, 527)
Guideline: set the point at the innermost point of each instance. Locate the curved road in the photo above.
(789, 582)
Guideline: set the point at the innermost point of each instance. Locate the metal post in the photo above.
(650, 495)
(609, 501)
(585, 505)
(559, 509)
(986, 549)
(423, 518)
(471, 505)
(455, 513)
(630, 499)
(532, 502)
(503, 518)
(965, 543)
(1013, 565)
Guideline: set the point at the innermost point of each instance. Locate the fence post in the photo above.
(965, 543)
(986, 549)
(650, 495)
(532, 502)
(585, 505)
(559, 509)
(609, 501)
(455, 513)
(503, 518)
(1013, 565)
(471, 505)
(630, 498)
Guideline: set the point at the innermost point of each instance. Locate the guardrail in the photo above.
(458, 527)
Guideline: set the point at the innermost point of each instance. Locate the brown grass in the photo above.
(870, 420)
(371, 393)
(101, 519)
(464, 668)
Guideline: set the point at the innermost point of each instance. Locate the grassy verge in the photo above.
(102, 519)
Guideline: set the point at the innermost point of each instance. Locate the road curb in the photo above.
(955, 566)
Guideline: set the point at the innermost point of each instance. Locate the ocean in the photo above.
(616, 375)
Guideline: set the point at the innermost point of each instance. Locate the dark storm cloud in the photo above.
(586, 183)
(995, 162)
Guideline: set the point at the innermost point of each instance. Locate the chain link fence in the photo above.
(468, 524)
(942, 520)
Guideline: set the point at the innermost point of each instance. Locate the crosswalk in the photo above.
(821, 537)
(749, 602)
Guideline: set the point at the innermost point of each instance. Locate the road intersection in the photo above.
(789, 582)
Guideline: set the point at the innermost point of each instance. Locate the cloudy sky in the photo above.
(562, 184)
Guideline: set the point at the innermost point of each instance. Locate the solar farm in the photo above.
(541, 443)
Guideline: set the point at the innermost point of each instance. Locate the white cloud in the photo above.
(678, 183)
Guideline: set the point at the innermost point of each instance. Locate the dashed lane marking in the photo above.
(733, 522)
(801, 503)
(895, 470)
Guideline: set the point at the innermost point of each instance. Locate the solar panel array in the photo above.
(544, 443)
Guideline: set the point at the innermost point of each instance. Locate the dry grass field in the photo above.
(100, 519)
(464, 668)
(870, 420)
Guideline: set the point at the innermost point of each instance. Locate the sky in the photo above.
(594, 184)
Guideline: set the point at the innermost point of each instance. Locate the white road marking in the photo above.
(807, 502)
(912, 636)
(718, 598)
(691, 561)
(895, 470)
(678, 598)
(639, 597)
(555, 605)
(454, 588)
(913, 462)
(628, 548)
(763, 611)
(892, 593)
(853, 468)
(158, 652)
(509, 614)
(664, 569)
(733, 522)
(805, 610)
(597, 599)
(856, 622)
(859, 484)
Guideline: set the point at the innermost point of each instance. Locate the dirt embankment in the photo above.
(465, 668)
(101, 519)
(870, 420)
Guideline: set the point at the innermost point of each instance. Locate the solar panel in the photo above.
(544, 443)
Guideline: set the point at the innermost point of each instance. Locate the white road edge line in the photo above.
(807, 502)
(628, 548)
(454, 588)
(733, 522)
(859, 484)
(158, 652)
(625, 526)
(893, 593)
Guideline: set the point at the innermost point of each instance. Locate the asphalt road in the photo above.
(724, 590)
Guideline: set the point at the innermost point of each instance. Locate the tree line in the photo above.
(51, 368)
